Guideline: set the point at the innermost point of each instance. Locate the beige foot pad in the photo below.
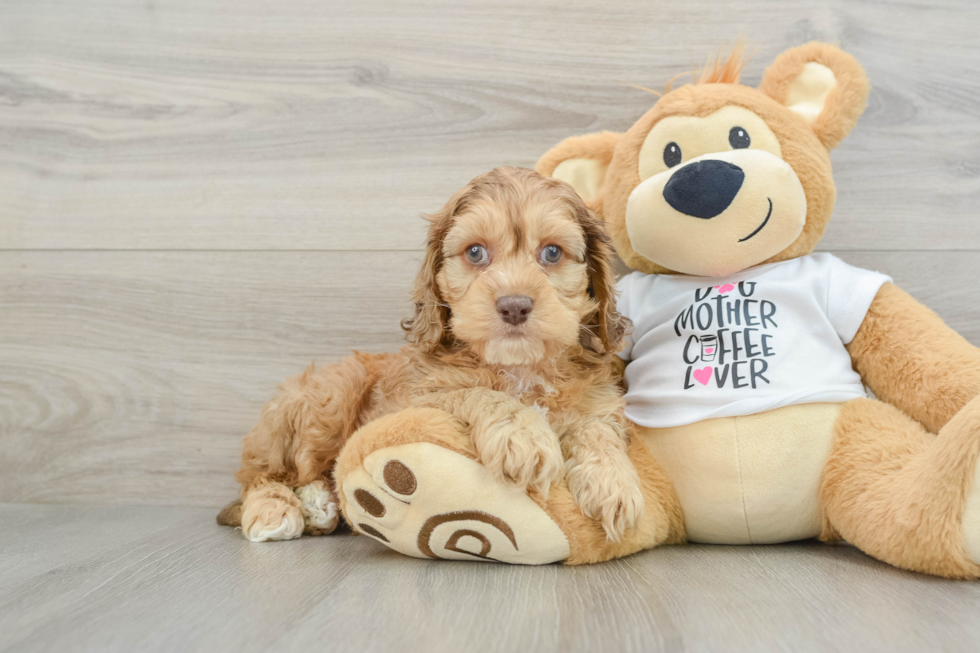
(971, 519)
(429, 502)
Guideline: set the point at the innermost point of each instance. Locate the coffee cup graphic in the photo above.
(709, 345)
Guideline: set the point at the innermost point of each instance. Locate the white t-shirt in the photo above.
(767, 337)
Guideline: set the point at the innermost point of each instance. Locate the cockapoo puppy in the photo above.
(514, 332)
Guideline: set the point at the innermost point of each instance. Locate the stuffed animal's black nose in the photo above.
(703, 189)
(514, 309)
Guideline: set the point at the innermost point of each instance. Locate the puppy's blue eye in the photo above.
(551, 254)
(477, 254)
(739, 138)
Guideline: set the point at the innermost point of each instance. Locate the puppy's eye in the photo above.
(477, 254)
(551, 254)
(739, 138)
(672, 154)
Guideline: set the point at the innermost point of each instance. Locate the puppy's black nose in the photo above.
(514, 309)
(704, 189)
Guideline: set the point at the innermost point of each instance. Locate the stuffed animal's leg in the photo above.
(412, 481)
(903, 495)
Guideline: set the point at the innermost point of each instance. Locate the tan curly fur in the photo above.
(539, 398)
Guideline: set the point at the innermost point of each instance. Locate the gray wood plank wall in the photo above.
(199, 198)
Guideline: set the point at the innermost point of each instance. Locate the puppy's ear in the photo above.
(428, 328)
(612, 326)
(823, 85)
(581, 162)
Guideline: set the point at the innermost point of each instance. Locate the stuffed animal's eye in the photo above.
(672, 154)
(551, 254)
(477, 254)
(739, 138)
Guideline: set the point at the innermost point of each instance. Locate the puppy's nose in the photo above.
(514, 309)
(703, 189)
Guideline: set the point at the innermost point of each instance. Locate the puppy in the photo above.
(514, 332)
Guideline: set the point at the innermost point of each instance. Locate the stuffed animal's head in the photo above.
(718, 177)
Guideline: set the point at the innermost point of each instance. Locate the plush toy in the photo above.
(747, 364)
(749, 354)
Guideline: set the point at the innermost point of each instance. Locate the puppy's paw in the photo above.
(267, 517)
(522, 449)
(607, 489)
(319, 506)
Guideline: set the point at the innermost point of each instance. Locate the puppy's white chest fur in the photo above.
(523, 382)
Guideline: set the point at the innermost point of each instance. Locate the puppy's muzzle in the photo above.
(514, 309)
(704, 189)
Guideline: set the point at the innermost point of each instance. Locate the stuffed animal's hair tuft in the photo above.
(728, 71)
(725, 72)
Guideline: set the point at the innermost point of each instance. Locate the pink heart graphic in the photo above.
(709, 350)
(726, 288)
(703, 375)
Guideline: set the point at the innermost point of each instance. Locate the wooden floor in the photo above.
(199, 198)
(167, 579)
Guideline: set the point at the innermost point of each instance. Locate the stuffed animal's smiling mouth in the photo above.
(759, 228)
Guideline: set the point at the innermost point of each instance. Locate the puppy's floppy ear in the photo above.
(428, 328)
(612, 326)
(581, 162)
(823, 85)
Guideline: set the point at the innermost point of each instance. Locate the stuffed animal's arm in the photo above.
(909, 358)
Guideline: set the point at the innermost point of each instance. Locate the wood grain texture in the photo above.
(176, 124)
(130, 377)
(169, 579)
(198, 198)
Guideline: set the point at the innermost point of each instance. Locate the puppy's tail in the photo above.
(231, 515)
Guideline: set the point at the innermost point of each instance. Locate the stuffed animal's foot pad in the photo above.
(971, 519)
(429, 502)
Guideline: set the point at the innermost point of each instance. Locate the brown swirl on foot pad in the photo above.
(425, 533)
(453, 543)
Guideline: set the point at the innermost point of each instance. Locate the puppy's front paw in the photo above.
(319, 506)
(523, 449)
(267, 518)
(607, 489)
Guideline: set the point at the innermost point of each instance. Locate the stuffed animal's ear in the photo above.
(823, 85)
(581, 162)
